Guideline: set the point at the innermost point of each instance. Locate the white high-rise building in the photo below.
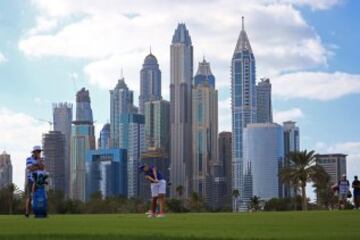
(181, 74)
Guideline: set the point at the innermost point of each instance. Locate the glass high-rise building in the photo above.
(264, 105)
(104, 139)
(263, 158)
(243, 103)
(54, 145)
(82, 140)
(205, 131)
(291, 144)
(132, 125)
(121, 104)
(157, 124)
(181, 74)
(6, 170)
(62, 119)
(127, 131)
(150, 82)
(106, 172)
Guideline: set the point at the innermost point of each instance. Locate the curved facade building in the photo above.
(263, 157)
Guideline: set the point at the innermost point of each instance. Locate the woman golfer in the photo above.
(158, 188)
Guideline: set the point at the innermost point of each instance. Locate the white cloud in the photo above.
(119, 32)
(2, 58)
(44, 25)
(288, 115)
(315, 4)
(19, 133)
(316, 85)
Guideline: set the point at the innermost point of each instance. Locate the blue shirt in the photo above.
(150, 173)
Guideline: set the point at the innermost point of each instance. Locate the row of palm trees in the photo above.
(302, 170)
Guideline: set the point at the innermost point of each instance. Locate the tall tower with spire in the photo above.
(181, 73)
(150, 81)
(243, 104)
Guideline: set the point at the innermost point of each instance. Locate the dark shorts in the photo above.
(28, 188)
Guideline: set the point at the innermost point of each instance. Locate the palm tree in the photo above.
(301, 170)
(255, 203)
(235, 194)
(323, 190)
(180, 190)
(196, 202)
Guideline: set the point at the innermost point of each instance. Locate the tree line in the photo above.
(301, 171)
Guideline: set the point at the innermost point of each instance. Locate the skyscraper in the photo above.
(127, 131)
(225, 155)
(104, 139)
(243, 103)
(62, 118)
(263, 158)
(121, 103)
(54, 145)
(133, 129)
(205, 130)
(157, 124)
(82, 140)
(181, 73)
(150, 81)
(291, 144)
(6, 170)
(334, 164)
(264, 106)
(106, 172)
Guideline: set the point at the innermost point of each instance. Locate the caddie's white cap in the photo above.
(36, 148)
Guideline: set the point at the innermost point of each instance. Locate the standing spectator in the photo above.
(344, 187)
(356, 192)
(33, 164)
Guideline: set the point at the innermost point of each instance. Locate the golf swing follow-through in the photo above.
(158, 189)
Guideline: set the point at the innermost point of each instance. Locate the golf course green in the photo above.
(262, 225)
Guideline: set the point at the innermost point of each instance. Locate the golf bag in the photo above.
(39, 199)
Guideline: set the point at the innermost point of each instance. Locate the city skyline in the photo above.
(313, 110)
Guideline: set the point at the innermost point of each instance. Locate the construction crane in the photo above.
(47, 121)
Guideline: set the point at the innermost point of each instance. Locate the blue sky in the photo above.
(309, 49)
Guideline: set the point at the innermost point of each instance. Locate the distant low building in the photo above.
(6, 170)
(106, 172)
(334, 164)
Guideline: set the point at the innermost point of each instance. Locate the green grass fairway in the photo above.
(275, 225)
